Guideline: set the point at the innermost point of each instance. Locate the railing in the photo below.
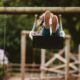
(14, 68)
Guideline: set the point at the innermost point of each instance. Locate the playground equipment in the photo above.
(69, 61)
(47, 42)
(25, 10)
(66, 49)
(43, 64)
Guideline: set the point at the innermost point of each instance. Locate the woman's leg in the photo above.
(54, 23)
(46, 19)
(45, 27)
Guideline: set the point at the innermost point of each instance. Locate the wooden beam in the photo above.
(63, 65)
(57, 71)
(25, 10)
(27, 33)
(67, 57)
(53, 58)
(50, 61)
(43, 53)
(23, 54)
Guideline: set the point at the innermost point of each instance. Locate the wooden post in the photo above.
(67, 55)
(23, 52)
(42, 63)
(25, 10)
(79, 61)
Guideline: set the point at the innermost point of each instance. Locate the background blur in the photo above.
(12, 25)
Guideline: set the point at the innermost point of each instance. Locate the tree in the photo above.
(16, 23)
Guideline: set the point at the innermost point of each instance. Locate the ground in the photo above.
(19, 78)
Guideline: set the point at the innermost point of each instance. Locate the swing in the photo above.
(48, 42)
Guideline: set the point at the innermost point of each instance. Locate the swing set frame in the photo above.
(24, 34)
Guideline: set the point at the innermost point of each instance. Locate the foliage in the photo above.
(2, 72)
(14, 24)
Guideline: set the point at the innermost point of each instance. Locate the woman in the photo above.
(48, 25)
(48, 22)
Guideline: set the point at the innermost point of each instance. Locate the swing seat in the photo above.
(48, 42)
